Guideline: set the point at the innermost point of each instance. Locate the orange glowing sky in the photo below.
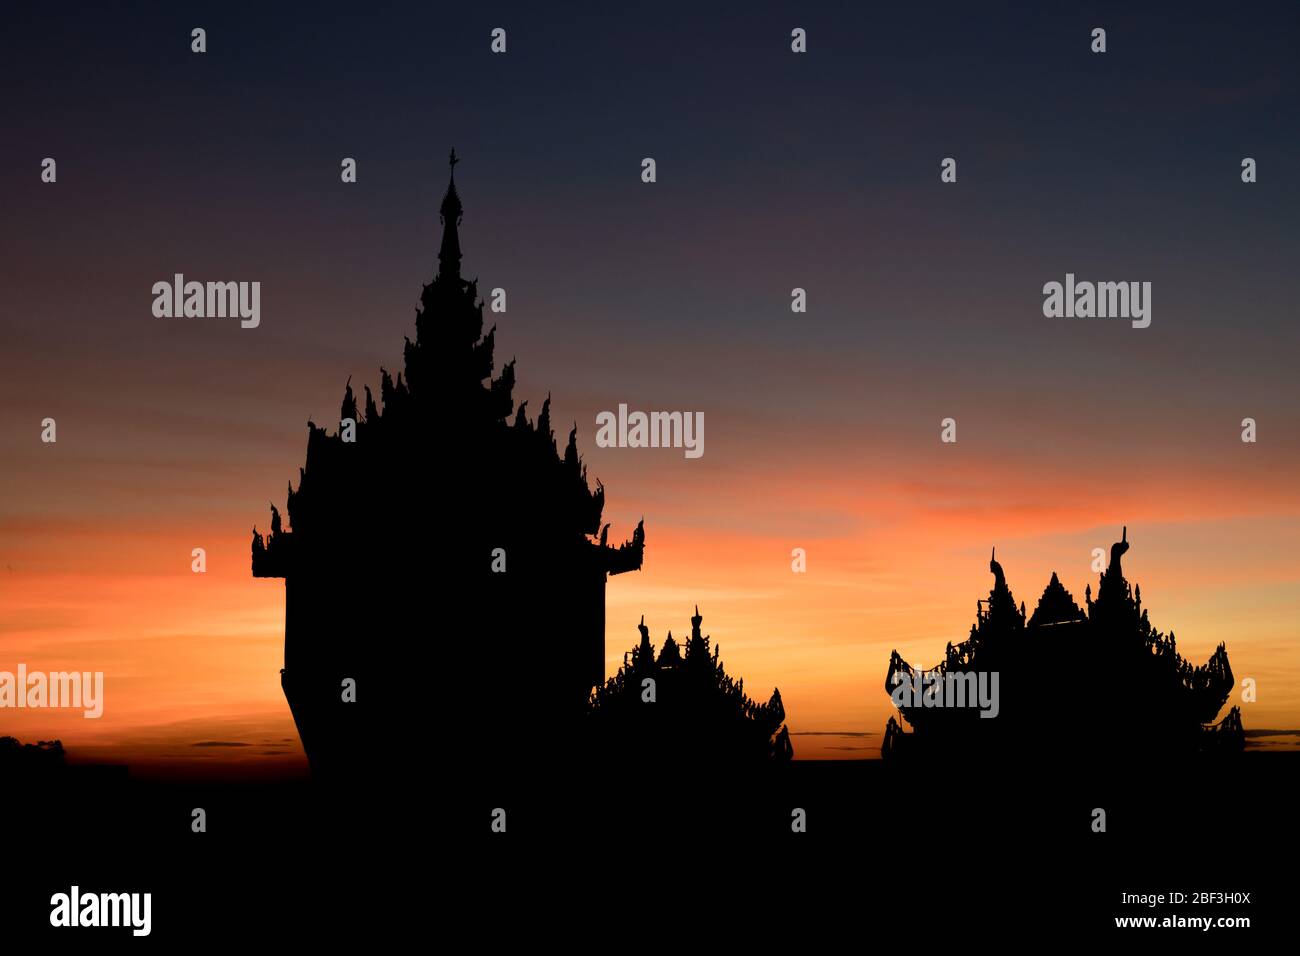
(95, 570)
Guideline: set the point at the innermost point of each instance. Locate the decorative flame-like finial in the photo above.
(450, 212)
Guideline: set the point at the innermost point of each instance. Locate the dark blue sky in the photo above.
(775, 171)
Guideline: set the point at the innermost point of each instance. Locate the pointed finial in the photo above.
(1124, 537)
(450, 212)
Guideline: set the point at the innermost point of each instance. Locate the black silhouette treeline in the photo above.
(21, 761)
(452, 563)
(1085, 686)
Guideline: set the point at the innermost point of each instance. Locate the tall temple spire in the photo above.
(449, 252)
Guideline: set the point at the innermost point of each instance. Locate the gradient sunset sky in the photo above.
(774, 171)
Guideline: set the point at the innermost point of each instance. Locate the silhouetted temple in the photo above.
(441, 553)
(1101, 682)
(681, 708)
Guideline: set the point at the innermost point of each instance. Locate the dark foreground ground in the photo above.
(892, 856)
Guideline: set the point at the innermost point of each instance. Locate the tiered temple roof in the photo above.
(1101, 681)
(699, 714)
